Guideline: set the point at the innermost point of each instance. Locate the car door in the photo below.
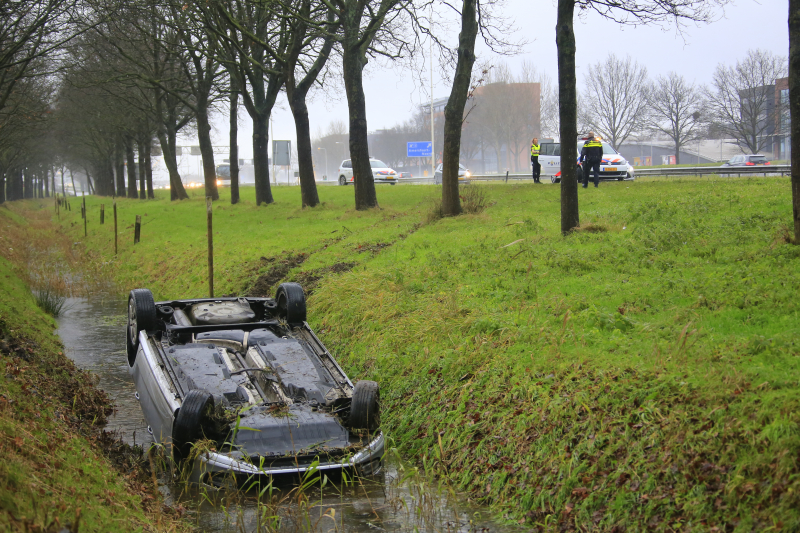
(550, 158)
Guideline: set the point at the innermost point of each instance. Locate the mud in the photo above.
(310, 278)
(278, 269)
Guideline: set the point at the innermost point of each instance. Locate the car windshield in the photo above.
(375, 163)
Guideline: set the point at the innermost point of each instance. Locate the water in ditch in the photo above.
(399, 500)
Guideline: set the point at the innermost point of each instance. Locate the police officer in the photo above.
(591, 156)
(537, 168)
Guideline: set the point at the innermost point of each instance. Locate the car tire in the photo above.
(365, 409)
(622, 178)
(188, 426)
(291, 302)
(554, 179)
(342, 180)
(141, 317)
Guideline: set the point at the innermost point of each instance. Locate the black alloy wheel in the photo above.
(141, 317)
(342, 181)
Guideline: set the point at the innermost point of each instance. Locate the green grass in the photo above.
(55, 470)
(641, 373)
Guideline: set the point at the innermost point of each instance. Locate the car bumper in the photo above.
(211, 465)
(385, 179)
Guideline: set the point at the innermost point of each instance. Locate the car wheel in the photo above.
(622, 178)
(554, 179)
(342, 180)
(365, 410)
(188, 426)
(291, 303)
(141, 317)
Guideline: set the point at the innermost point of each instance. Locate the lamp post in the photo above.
(325, 177)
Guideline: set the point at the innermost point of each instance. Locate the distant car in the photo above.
(381, 172)
(404, 175)
(249, 377)
(223, 174)
(613, 166)
(746, 161)
(463, 174)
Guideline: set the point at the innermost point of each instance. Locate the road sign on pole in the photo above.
(419, 149)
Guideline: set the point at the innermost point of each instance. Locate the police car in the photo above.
(613, 166)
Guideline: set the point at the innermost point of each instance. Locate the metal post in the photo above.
(433, 144)
(102, 213)
(210, 249)
(85, 232)
(137, 229)
(115, 228)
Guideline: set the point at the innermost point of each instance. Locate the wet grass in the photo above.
(641, 373)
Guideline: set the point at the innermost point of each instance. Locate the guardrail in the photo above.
(765, 170)
(727, 171)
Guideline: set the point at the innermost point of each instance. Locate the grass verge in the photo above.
(640, 374)
(59, 468)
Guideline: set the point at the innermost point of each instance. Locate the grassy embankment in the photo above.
(641, 373)
(57, 467)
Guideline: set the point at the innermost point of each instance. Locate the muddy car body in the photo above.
(249, 380)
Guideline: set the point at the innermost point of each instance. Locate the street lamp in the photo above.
(325, 177)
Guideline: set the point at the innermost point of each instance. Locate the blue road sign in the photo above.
(419, 149)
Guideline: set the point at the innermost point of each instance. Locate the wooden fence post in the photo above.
(115, 228)
(210, 249)
(102, 213)
(85, 232)
(137, 229)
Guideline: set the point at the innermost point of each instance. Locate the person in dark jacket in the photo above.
(537, 168)
(591, 156)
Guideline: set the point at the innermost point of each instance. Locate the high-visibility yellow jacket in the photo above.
(534, 150)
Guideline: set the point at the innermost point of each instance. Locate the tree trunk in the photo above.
(16, 185)
(131, 162)
(305, 162)
(176, 189)
(568, 115)
(207, 152)
(148, 169)
(119, 171)
(677, 153)
(63, 189)
(794, 109)
(454, 110)
(27, 180)
(47, 183)
(364, 184)
(2, 185)
(72, 179)
(260, 159)
(89, 182)
(234, 144)
(142, 172)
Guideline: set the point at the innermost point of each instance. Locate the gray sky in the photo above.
(393, 94)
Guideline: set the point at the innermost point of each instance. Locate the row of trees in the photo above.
(620, 100)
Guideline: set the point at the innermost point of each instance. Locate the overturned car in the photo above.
(247, 383)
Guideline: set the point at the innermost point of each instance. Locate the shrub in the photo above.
(50, 300)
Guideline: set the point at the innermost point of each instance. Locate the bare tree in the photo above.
(616, 98)
(741, 98)
(623, 12)
(675, 105)
(794, 109)
(369, 28)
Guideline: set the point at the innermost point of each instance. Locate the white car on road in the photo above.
(614, 166)
(381, 172)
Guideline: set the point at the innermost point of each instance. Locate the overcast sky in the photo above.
(393, 94)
